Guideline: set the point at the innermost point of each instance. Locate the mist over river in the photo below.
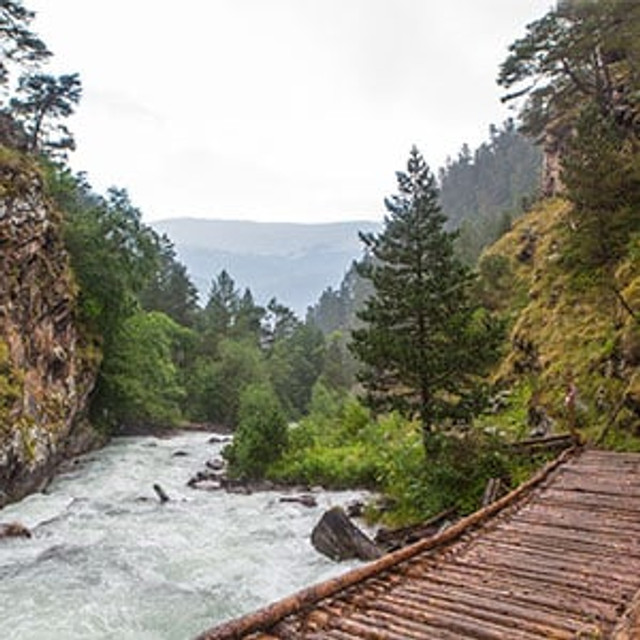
(107, 560)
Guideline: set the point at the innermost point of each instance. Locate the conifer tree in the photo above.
(423, 343)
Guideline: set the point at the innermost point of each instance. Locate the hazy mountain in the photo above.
(293, 262)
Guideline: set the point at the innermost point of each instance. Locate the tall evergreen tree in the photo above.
(222, 304)
(579, 52)
(171, 290)
(423, 343)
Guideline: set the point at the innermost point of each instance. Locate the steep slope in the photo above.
(293, 262)
(568, 325)
(45, 376)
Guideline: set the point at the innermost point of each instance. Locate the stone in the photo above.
(13, 530)
(215, 465)
(336, 537)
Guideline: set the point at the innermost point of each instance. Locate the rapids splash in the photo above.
(108, 561)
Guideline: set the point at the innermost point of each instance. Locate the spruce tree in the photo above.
(423, 343)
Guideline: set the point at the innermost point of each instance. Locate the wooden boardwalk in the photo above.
(558, 558)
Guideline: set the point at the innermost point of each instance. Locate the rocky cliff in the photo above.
(45, 374)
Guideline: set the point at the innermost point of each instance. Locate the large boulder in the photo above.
(338, 538)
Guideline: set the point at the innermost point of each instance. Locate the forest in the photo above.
(411, 377)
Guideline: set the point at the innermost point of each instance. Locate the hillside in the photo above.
(293, 262)
(567, 324)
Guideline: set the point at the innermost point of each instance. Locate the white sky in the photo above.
(276, 110)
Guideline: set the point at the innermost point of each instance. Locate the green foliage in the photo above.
(455, 476)
(216, 383)
(294, 363)
(18, 43)
(602, 176)
(261, 435)
(170, 290)
(339, 445)
(578, 53)
(139, 379)
(113, 254)
(229, 314)
(330, 447)
(40, 103)
(222, 304)
(481, 193)
(118, 261)
(424, 344)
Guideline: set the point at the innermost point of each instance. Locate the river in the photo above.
(108, 561)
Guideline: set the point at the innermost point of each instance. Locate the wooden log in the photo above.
(546, 444)
(458, 604)
(162, 496)
(502, 587)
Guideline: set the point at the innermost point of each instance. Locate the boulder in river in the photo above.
(13, 530)
(338, 538)
(217, 464)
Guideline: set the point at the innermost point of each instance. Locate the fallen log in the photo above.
(163, 497)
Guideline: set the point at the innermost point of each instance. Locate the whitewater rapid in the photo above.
(108, 561)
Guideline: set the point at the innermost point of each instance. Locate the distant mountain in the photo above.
(293, 262)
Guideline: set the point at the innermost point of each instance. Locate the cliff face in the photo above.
(44, 377)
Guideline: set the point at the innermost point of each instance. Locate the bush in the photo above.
(455, 476)
(261, 435)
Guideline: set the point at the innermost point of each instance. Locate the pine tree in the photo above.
(423, 343)
(41, 102)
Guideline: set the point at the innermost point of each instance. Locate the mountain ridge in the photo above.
(292, 261)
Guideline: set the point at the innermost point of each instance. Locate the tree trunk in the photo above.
(426, 419)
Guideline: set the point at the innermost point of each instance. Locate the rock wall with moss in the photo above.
(567, 324)
(44, 377)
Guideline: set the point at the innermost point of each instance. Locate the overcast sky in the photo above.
(276, 110)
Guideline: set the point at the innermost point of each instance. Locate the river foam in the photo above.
(108, 561)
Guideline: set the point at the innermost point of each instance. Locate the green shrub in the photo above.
(261, 435)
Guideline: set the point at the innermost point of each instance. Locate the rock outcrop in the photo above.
(45, 372)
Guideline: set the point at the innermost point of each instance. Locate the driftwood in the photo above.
(163, 497)
(305, 499)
